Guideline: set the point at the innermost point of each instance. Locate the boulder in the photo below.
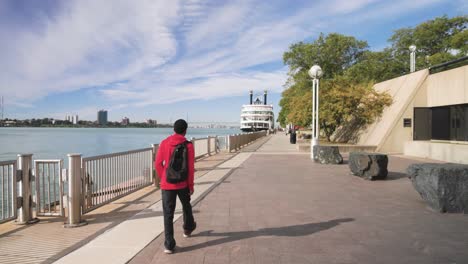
(327, 155)
(369, 166)
(444, 187)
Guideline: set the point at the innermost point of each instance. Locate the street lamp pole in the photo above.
(315, 72)
(412, 49)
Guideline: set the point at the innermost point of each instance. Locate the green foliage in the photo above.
(348, 102)
(334, 53)
(376, 67)
(439, 40)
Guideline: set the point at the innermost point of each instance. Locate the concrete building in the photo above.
(75, 119)
(428, 117)
(102, 117)
(151, 122)
(125, 121)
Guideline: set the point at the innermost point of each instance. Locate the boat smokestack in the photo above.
(251, 97)
(265, 98)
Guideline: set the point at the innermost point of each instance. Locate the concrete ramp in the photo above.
(402, 89)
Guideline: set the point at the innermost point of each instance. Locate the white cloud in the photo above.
(89, 43)
(146, 52)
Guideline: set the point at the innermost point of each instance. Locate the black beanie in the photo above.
(180, 126)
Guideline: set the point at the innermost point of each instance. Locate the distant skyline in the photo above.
(165, 60)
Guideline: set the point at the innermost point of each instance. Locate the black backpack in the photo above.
(177, 171)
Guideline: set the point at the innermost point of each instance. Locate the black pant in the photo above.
(169, 203)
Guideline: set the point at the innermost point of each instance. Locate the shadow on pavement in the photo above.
(392, 175)
(291, 231)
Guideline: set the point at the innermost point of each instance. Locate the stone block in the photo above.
(327, 155)
(444, 187)
(369, 166)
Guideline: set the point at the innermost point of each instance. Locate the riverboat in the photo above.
(258, 115)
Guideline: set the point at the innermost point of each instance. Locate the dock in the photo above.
(266, 203)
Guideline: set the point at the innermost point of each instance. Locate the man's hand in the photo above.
(191, 192)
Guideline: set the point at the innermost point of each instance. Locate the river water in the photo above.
(56, 143)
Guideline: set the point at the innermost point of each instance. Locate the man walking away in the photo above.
(175, 164)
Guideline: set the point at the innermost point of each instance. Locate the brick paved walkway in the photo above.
(286, 209)
(47, 241)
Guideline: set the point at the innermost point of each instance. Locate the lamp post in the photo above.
(412, 49)
(315, 72)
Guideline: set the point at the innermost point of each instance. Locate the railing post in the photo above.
(234, 145)
(208, 145)
(25, 207)
(154, 174)
(192, 139)
(74, 192)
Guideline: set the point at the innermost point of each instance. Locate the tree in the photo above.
(334, 53)
(348, 102)
(376, 67)
(439, 40)
(348, 107)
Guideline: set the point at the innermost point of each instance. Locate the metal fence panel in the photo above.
(49, 187)
(8, 190)
(213, 145)
(109, 177)
(201, 147)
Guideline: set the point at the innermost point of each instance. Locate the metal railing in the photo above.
(213, 145)
(91, 182)
(8, 190)
(109, 177)
(223, 143)
(238, 141)
(49, 187)
(205, 146)
(449, 65)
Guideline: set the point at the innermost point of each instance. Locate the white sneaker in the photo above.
(189, 233)
(168, 251)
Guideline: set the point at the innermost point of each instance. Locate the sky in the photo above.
(166, 60)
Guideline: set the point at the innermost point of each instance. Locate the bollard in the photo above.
(74, 192)
(154, 176)
(25, 203)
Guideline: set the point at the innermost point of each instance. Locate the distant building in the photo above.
(151, 122)
(125, 121)
(75, 119)
(102, 117)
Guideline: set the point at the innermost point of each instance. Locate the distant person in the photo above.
(175, 164)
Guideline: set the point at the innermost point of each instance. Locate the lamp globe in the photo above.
(315, 72)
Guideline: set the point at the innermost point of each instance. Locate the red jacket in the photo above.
(163, 157)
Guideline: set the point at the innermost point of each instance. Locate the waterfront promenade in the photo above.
(279, 207)
(268, 203)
